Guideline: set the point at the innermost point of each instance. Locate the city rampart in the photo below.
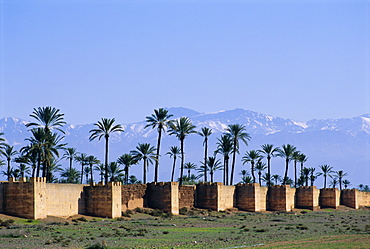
(133, 196)
(281, 198)
(329, 198)
(164, 195)
(307, 197)
(251, 197)
(35, 199)
(64, 200)
(187, 196)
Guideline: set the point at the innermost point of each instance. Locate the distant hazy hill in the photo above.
(341, 143)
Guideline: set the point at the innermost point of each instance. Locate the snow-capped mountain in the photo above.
(342, 143)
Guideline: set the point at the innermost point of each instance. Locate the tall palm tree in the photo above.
(127, 160)
(161, 120)
(91, 161)
(189, 166)
(302, 159)
(224, 147)
(8, 152)
(174, 152)
(326, 170)
(87, 172)
(295, 157)
(333, 182)
(115, 172)
(35, 148)
(51, 153)
(286, 152)
(236, 133)
(101, 169)
(306, 173)
(48, 118)
(269, 151)
(205, 132)
(104, 128)
(82, 159)
(213, 165)
(144, 152)
(276, 178)
(181, 128)
(23, 168)
(260, 167)
(252, 156)
(346, 183)
(70, 154)
(71, 175)
(340, 174)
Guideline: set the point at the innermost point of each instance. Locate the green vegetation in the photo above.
(195, 228)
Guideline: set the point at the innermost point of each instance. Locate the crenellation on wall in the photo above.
(329, 198)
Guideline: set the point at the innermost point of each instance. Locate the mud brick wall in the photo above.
(1, 198)
(329, 198)
(164, 196)
(25, 199)
(281, 198)
(363, 199)
(307, 197)
(133, 196)
(207, 195)
(251, 197)
(64, 200)
(226, 197)
(187, 196)
(348, 197)
(104, 201)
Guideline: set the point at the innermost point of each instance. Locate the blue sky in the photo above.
(122, 59)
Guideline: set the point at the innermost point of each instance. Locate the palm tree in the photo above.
(2, 140)
(213, 165)
(23, 161)
(8, 153)
(313, 176)
(346, 183)
(127, 160)
(189, 166)
(306, 173)
(91, 161)
(82, 159)
(333, 182)
(295, 156)
(101, 169)
(236, 133)
(276, 178)
(174, 151)
(114, 171)
(104, 128)
(160, 119)
(260, 167)
(205, 132)
(246, 179)
(224, 147)
(71, 175)
(269, 151)
(302, 159)
(87, 172)
(181, 128)
(70, 154)
(251, 156)
(144, 152)
(51, 153)
(286, 152)
(35, 148)
(326, 170)
(340, 174)
(48, 118)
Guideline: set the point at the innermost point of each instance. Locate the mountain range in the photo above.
(342, 143)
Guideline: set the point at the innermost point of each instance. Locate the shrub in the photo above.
(183, 210)
(83, 219)
(166, 232)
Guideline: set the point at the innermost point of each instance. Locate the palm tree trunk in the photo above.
(227, 171)
(173, 168)
(259, 178)
(157, 156)
(144, 170)
(295, 173)
(205, 158)
(233, 166)
(211, 173)
(324, 181)
(189, 174)
(91, 173)
(70, 164)
(82, 172)
(106, 160)
(126, 175)
(224, 178)
(252, 169)
(269, 171)
(8, 170)
(286, 171)
(182, 160)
